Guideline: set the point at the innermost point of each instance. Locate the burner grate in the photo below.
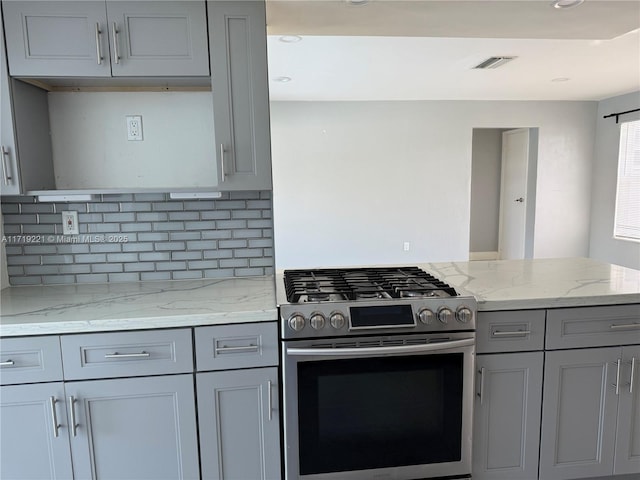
(361, 283)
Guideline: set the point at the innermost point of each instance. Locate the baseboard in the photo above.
(483, 255)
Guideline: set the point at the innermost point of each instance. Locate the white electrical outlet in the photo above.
(406, 246)
(134, 127)
(70, 223)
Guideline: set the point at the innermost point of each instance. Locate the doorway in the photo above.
(503, 185)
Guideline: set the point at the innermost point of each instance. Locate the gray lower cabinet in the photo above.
(134, 428)
(101, 39)
(238, 406)
(34, 441)
(590, 419)
(238, 49)
(239, 424)
(507, 416)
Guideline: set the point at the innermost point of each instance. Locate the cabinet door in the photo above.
(62, 38)
(627, 458)
(142, 428)
(579, 413)
(31, 446)
(507, 416)
(239, 426)
(237, 42)
(158, 38)
(10, 183)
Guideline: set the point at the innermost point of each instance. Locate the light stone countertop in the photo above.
(541, 283)
(38, 310)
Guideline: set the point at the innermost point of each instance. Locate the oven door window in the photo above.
(379, 412)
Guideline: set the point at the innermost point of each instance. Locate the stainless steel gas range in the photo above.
(377, 374)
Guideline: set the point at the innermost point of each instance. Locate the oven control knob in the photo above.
(464, 314)
(296, 322)
(444, 315)
(317, 321)
(426, 316)
(337, 320)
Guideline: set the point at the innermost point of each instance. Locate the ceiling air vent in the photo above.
(493, 62)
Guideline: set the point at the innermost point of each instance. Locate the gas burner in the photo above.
(318, 296)
(341, 284)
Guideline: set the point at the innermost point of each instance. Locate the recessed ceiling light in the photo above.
(560, 79)
(290, 38)
(282, 79)
(357, 2)
(564, 4)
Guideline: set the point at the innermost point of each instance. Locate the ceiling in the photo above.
(426, 50)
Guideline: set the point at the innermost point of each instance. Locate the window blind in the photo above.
(627, 217)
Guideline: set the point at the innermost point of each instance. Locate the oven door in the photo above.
(379, 407)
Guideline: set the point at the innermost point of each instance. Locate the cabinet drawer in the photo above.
(30, 360)
(236, 346)
(593, 326)
(127, 354)
(510, 331)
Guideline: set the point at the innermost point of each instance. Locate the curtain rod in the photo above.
(621, 113)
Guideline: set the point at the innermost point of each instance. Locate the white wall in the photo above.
(354, 180)
(91, 150)
(605, 172)
(486, 167)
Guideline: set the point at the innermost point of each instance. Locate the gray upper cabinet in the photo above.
(158, 39)
(237, 43)
(98, 39)
(239, 424)
(25, 147)
(33, 433)
(134, 428)
(507, 416)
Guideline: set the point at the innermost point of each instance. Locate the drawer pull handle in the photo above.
(627, 326)
(7, 363)
(72, 415)
(247, 348)
(516, 333)
(633, 374)
(116, 48)
(127, 355)
(54, 415)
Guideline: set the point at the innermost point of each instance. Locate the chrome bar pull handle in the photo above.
(633, 374)
(481, 392)
(54, 415)
(625, 326)
(222, 170)
(98, 46)
(116, 49)
(514, 333)
(142, 354)
(72, 415)
(7, 363)
(269, 401)
(617, 384)
(6, 170)
(247, 348)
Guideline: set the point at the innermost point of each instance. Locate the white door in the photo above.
(513, 198)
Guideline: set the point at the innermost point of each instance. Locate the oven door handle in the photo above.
(364, 351)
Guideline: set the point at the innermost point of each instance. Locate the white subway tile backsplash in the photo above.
(139, 237)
